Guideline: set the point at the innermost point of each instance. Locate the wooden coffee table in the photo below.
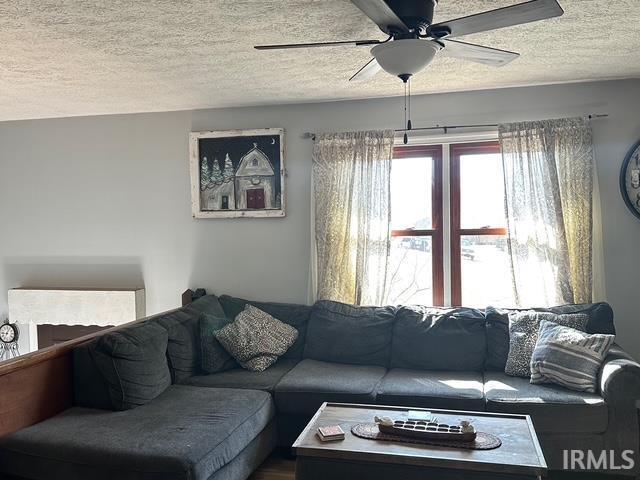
(519, 456)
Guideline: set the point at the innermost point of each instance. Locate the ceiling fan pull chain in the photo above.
(406, 138)
(409, 100)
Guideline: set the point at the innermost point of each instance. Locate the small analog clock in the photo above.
(630, 180)
(9, 333)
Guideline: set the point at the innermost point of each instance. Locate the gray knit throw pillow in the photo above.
(523, 335)
(568, 357)
(256, 339)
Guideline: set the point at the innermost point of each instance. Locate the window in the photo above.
(474, 252)
(480, 271)
(415, 266)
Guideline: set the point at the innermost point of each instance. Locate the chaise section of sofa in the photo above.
(186, 433)
(127, 423)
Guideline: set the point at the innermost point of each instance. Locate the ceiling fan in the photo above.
(413, 40)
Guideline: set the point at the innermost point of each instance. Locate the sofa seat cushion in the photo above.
(312, 382)
(186, 433)
(430, 389)
(241, 378)
(553, 409)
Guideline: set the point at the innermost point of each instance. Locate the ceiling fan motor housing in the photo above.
(416, 14)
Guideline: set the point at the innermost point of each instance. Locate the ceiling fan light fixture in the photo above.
(406, 56)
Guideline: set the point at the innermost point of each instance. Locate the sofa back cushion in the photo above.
(133, 363)
(292, 314)
(90, 389)
(430, 338)
(600, 321)
(350, 334)
(183, 347)
(182, 353)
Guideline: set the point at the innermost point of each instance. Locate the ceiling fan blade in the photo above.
(477, 53)
(527, 12)
(382, 15)
(356, 43)
(367, 72)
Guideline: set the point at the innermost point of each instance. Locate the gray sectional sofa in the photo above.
(222, 426)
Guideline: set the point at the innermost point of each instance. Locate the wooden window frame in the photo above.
(456, 152)
(436, 230)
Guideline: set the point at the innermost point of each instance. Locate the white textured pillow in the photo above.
(523, 335)
(256, 339)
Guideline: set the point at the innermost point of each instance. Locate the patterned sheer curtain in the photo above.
(548, 168)
(352, 173)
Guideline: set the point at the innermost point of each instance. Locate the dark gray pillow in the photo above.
(292, 314)
(133, 362)
(600, 321)
(431, 338)
(523, 335)
(207, 304)
(344, 333)
(214, 358)
(255, 339)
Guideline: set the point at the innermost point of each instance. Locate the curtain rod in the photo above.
(312, 136)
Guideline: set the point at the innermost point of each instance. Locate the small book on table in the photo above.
(330, 433)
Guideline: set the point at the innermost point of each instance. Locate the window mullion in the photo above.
(446, 222)
(455, 248)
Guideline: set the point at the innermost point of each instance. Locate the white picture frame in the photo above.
(237, 173)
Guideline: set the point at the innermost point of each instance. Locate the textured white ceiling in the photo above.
(79, 57)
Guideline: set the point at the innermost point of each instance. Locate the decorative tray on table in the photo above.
(427, 430)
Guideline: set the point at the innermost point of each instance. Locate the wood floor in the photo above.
(275, 468)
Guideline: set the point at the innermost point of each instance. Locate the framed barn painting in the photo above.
(237, 173)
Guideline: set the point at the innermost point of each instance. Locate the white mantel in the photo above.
(30, 307)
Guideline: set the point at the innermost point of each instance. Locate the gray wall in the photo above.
(104, 201)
